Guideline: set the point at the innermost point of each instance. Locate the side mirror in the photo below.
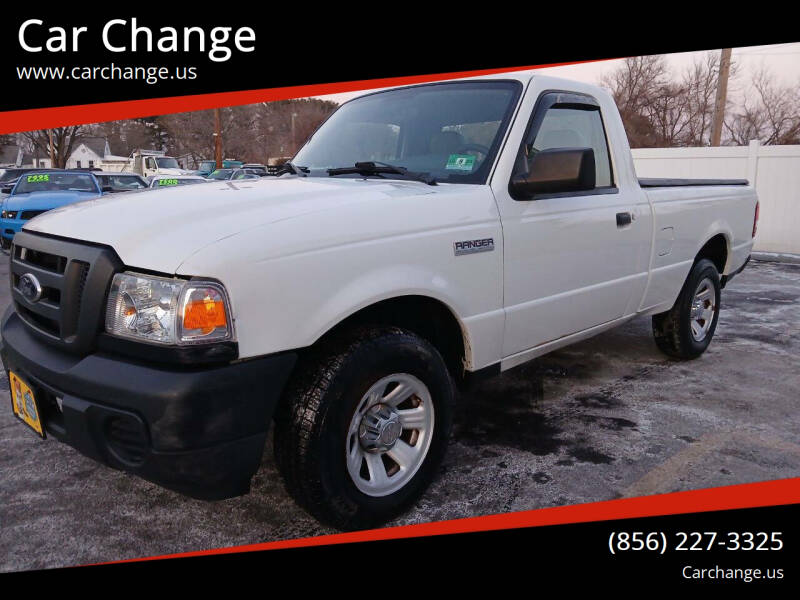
(556, 170)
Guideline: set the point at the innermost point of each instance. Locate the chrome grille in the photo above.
(73, 278)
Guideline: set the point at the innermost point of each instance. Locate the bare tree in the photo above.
(64, 140)
(252, 133)
(126, 135)
(700, 84)
(283, 126)
(667, 112)
(634, 86)
(769, 113)
(659, 109)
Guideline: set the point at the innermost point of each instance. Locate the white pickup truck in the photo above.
(151, 163)
(421, 236)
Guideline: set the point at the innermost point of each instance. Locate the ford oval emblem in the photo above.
(30, 288)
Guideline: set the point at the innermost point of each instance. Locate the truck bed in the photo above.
(653, 182)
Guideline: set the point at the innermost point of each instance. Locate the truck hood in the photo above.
(159, 229)
(45, 200)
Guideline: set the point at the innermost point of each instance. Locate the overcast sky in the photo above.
(783, 60)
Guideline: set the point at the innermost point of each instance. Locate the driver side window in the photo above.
(571, 127)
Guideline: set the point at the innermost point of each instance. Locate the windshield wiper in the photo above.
(379, 168)
(290, 167)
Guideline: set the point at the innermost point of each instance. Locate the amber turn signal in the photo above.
(205, 315)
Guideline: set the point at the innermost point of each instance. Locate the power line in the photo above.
(770, 54)
(722, 93)
(767, 48)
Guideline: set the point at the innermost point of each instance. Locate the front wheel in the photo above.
(685, 331)
(364, 426)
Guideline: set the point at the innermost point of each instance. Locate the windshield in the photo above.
(167, 163)
(55, 182)
(121, 182)
(221, 174)
(451, 131)
(10, 174)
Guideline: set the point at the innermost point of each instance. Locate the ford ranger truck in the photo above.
(423, 235)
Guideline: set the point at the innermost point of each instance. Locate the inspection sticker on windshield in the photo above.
(38, 178)
(461, 162)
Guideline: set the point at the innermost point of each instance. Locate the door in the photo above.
(151, 168)
(573, 260)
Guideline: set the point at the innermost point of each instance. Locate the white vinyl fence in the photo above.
(775, 171)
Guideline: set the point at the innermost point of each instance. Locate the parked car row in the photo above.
(226, 174)
(206, 167)
(28, 192)
(39, 191)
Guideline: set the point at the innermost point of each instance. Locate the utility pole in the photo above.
(722, 96)
(217, 138)
(52, 150)
(294, 136)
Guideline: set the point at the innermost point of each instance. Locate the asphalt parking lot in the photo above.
(607, 418)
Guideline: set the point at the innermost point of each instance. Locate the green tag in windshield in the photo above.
(460, 162)
(167, 182)
(38, 178)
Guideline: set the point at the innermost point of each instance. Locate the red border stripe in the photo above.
(748, 495)
(45, 118)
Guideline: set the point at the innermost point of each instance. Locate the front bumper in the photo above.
(198, 431)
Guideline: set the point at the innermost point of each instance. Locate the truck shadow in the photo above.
(534, 408)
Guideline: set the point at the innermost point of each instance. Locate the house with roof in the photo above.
(88, 152)
(17, 155)
(11, 155)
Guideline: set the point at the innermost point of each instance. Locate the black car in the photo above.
(255, 168)
(121, 182)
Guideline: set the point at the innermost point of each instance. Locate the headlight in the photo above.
(168, 311)
(9, 214)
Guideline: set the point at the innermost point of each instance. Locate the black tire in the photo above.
(673, 329)
(312, 421)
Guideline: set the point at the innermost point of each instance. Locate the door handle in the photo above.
(624, 218)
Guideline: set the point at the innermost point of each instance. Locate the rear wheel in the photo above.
(364, 426)
(686, 330)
